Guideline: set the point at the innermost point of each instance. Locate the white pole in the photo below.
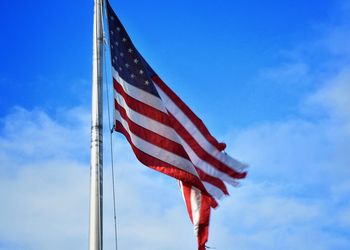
(96, 180)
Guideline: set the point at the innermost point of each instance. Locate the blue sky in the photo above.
(270, 78)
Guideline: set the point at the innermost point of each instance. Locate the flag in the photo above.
(165, 134)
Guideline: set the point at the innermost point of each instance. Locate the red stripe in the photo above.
(212, 180)
(165, 167)
(141, 107)
(168, 145)
(189, 113)
(204, 218)
(204, 215)
(160, 165)
(186, 190)
(201, 153)
(151, 136)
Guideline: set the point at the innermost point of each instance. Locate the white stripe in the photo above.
(197, 135)
(139, 94)
(205, 166)
(182, 190)
(171, 134)
(158, 152)
(147, 122)
(213, 190)
(195, 207)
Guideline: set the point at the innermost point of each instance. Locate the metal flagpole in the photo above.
(96, 177)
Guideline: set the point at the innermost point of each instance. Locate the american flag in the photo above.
(165, 134)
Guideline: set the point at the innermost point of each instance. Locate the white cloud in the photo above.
(269, 216)
(44, 207)
(296, 196)
(46, 193)
(36, 135)
(291, 73)
(42, 181)
(44, 178)
(337, 35)
(334, 96)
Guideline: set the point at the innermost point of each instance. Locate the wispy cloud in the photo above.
(44, 178)
(296, 196)
(291, 73)
(333, 96)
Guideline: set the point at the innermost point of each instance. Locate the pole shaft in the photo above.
(96, 167)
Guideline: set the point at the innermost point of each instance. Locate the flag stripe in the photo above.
(168, 119)
(206, 167)
(198, 208)
(186, 191)
(142, 107)
(172, 147)
(212, 180)
(189, 113)
(201, 153)
(170, 133)
(163, 166)
(215, 191)
(195, 198)
(212, 175)
(203, 231)
(147, 122)
(151, 136)
(157, 164)
(138, 93)
(196, 135)
(157, 152)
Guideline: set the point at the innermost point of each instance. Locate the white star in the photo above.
(141, 72)
(130, 50)
(116, 43)
(112, 32)
(132, 76)
(118, 28)
(120, 68)
(112, 17)
(121, 54)
(116, 58)
(112, 47)
(127, 65)
(136, 60)
(146, 82)
(124, 39)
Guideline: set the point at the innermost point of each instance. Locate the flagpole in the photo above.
(96, 167)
